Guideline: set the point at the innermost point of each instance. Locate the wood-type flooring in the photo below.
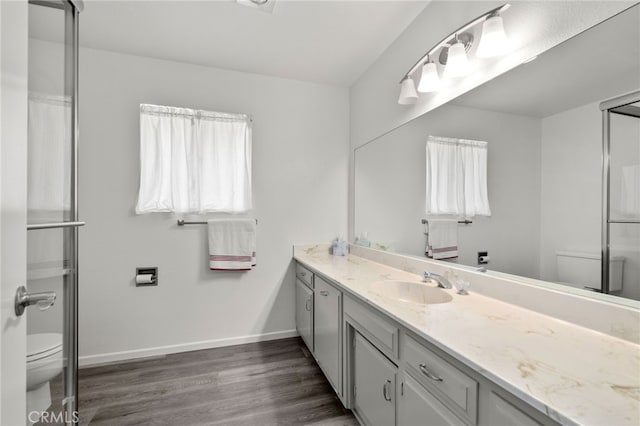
(267, 383)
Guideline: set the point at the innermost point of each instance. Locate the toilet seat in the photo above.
(43, 345)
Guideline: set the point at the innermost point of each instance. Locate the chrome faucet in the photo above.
(442, 281)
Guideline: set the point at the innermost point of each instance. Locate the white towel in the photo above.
(232, 244)
(442, 239)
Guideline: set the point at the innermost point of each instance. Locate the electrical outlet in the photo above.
(483, 257)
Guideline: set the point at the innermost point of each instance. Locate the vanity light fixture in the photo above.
(408, 94)
(457, 63)
(494, 41)
(452, 52)
(429, 78)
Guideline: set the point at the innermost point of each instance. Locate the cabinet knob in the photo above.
(423, 368)
(385, 390)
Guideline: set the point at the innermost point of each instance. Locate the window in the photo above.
(457, 177)
(194, 161)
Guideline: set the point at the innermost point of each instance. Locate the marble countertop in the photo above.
(572, 374)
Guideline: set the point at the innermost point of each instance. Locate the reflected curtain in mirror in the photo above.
(456, 177)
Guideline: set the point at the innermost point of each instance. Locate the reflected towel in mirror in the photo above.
(442, 239)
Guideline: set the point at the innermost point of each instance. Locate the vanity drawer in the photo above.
(450, 384)
(383, 334)
(304, 275)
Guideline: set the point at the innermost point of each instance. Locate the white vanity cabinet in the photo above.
(374, 384)
(450, 385)
(304, 313)
(417, 406)
(500, 412)
(389, 375)
(304, 305)
(319, 322)
(327, 333)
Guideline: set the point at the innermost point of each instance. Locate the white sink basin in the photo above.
(411, 292)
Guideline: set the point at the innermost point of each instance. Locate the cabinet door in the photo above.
(503, 413)
(417, 406)
(304, 313)
(328, 350)
(375, 381)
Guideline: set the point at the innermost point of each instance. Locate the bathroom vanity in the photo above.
(398, 352)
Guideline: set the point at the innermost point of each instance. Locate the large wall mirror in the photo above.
(543, 126)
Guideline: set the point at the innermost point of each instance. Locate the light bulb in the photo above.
(457, 61)
(494, 41)
(408, 94)
(429, 79)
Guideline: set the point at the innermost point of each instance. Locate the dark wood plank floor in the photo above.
(267, 383)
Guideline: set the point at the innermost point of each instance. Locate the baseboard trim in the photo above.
(92, 360)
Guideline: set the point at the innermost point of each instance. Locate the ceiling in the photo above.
(327, 42)
(598, 64)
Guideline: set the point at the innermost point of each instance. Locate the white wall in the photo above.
(571, 185)
(300, 173)
(571, 191)
(390, 187)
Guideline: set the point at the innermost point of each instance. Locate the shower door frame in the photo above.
(70, 226)
(606, 107)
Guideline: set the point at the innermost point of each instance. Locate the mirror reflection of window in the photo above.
(544, 168)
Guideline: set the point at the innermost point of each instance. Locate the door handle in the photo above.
(385, 390)
(307, 305)
(44, 300)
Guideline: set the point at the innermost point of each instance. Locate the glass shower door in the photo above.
(52, 352)
(621, 227)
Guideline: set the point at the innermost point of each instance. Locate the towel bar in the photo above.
(466, 222)
(54, 225)
(182, 222)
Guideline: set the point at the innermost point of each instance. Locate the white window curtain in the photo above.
(457, 177)
(194, 161)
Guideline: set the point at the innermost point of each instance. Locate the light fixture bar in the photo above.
(446, 41)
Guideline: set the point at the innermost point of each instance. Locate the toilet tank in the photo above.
(582, 269)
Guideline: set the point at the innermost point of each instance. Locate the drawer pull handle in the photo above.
(385, 390)
(302, 274)
(423, 368)
(307, 305)
(324, 293)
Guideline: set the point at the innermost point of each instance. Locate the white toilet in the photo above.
(44, 362)
(580, 270)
